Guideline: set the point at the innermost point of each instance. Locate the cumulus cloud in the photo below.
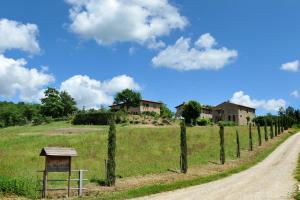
(295, 94)
(110, 21)
(205, 41)
(92, 93)
(14, 35)
(15, 77)
(291, 66)
(183, 56)
(271, 105)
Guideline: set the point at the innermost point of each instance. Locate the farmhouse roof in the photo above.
(228, 102)
(58, 151)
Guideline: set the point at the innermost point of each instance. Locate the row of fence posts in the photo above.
(279, 126)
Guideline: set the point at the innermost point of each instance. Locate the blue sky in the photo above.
(241, 56)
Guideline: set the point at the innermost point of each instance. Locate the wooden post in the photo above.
(45, 179)
(222, 150)
(105, 168)
(80, 183)
(276, 128)
(259, 134)
(250, 138)
(69, 178)
(266, 131)
(271, 130)
(238, 149)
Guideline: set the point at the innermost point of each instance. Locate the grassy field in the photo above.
(140, 150)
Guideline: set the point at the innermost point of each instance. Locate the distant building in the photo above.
(228, 111)
(206, 111)
(225, 111)
(145, 105)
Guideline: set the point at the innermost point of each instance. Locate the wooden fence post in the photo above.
(271, 130)
(259, 134)
(266, 131)
(222, 149)
(238, 149)
(250, 138)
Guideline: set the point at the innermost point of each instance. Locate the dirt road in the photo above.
(270, 179)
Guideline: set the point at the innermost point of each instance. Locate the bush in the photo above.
(296, 126)
(203, 122)
(227, 123)
(97, 118)
(18, 186)
(150, 113)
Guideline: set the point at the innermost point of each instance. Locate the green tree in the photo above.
(165, 112)
(111, 154)
(57, 104)
(191, 111)
(69, 104)
(52, 105)
(128, 98)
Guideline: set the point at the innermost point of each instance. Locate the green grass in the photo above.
(152, 189)
(140, 151)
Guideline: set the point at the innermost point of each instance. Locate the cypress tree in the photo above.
(238, 148)
(279, 126)
(183, 148)
(271, 130)
(259, 134)
(111, 154)
(250, 138)
(281, 121)
(276, 128)
(222, 149)
(266, 131)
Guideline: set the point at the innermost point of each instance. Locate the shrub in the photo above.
(150, 113)
(97, 118)
(227, 123)
(203, 122)
(18, 186)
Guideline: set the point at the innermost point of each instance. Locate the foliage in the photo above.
(191, 111)
(150, 113)
(111, 154)
(183, 148)
(98, 117)
(57, 104)
(204, 122)
(227, 123)
(128, 98)
(18, 186)
(165, 112)
(12, 114)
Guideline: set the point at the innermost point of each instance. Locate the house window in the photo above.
(229, 118)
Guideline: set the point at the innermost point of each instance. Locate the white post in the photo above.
(80, 183)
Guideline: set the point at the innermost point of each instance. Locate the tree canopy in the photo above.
(57, 104)
(128, 98)
(191, 111)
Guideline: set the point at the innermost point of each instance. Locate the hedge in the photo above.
(97, 118)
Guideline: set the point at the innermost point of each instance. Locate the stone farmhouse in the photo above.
(228, 111)
(225, 111)
(145, 105)
(206, 111)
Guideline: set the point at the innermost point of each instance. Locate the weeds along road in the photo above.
(273, 178)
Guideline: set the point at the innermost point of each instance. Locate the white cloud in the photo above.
(92, 93)
(14, 35)
(271, 105)
(205, 41)
(110, 21)
(16, 78)
(183, 56)
(295, 94)
(291, 66)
